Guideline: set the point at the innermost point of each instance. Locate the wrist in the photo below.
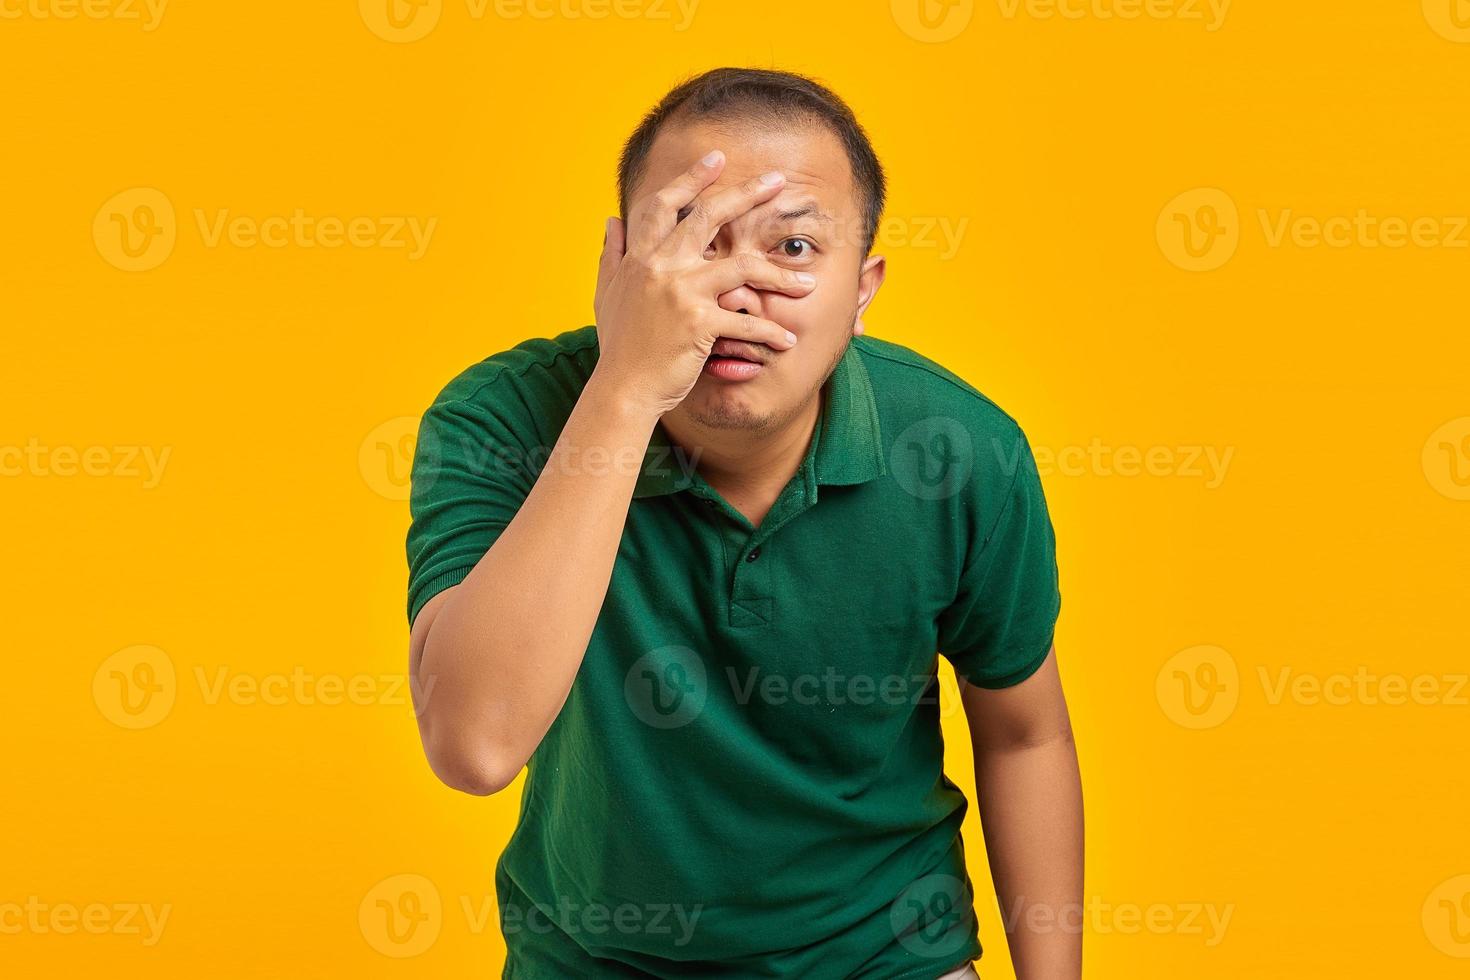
(611, 400)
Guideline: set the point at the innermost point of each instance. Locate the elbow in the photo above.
(471, 767)
(474, 777)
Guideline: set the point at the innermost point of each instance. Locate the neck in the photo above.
(743, 460)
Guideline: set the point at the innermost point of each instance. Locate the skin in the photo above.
(706, 254)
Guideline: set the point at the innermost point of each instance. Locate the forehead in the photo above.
(810, 155)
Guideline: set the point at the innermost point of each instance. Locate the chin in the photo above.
(731, 419)
(727, 411)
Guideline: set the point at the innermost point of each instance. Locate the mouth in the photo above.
(736, 360)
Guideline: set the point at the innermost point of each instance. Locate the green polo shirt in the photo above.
(746, 779)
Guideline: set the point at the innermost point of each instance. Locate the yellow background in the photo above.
(1334, 545)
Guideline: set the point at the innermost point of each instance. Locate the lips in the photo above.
(736, 361)
(741, 350)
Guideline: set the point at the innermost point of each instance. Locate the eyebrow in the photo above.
(808, 209)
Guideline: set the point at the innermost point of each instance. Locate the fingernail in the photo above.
(805, 278)
(713, 158)
(606, 230)
(772, 178)
(790, 337)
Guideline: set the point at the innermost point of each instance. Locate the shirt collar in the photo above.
(847, 447)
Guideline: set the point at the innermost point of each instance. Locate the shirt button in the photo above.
(754, 554)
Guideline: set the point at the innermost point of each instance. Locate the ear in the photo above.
(870, 279)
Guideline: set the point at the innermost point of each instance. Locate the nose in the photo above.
(742, 299)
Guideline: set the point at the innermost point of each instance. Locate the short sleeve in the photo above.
(999, 628)
(469, 479)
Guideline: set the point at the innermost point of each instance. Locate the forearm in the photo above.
(503, 649)
(1030, 801)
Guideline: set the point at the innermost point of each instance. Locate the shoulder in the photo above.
(914, 392)
(951, 448)
(540, 366)
(524, 393)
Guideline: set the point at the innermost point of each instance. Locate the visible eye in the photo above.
(796, 248)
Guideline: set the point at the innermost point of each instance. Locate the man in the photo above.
(692, 566)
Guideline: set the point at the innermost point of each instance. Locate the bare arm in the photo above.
(1030, 802)
(495, 656)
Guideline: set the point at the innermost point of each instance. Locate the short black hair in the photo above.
(759, 93)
